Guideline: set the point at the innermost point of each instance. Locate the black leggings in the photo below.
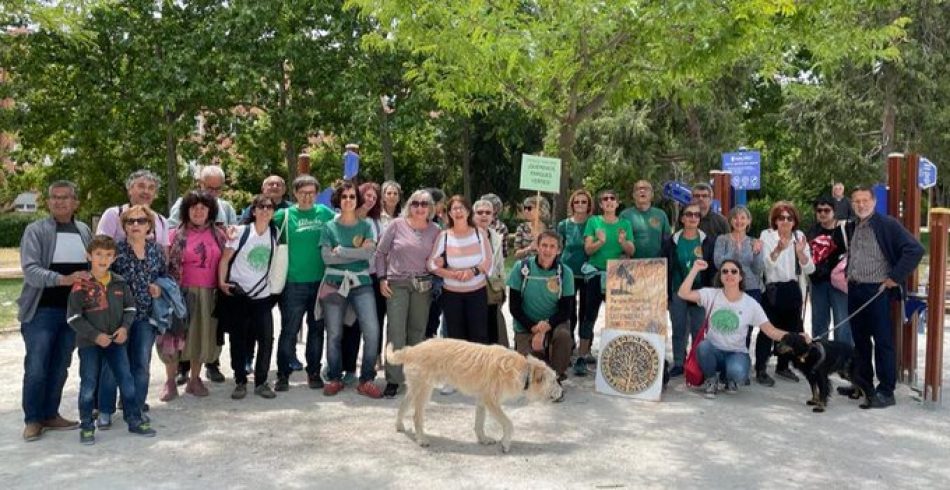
(466, 315)
(785, 314)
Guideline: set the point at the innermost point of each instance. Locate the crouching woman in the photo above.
(730, 312)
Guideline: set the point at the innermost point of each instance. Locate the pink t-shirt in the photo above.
(199, 267)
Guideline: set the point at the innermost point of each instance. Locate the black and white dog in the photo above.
(818, 359)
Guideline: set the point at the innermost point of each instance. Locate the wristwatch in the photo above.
(476, 271)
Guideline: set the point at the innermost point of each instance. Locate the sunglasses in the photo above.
(608, 198)
(692, 214)
(348, 197)
(729, 271)
(785, 217)
(419, 204)
(136, 221)
(528, 208)
(823, 210)
(484, 212)
(579, 202)
(265, 206)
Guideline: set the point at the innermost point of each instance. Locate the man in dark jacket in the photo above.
(881, 254)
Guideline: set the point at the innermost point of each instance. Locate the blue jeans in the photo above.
(712, 361)
(828, 301)
(298, 300)
(363, 300)
(687, 319)
(49, 343)
(91, 360)
(873, 324)
(139, 346)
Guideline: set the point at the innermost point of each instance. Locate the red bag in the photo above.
(692, 371)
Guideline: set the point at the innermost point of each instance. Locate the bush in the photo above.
(12, 226)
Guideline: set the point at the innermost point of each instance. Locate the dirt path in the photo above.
(759, 437)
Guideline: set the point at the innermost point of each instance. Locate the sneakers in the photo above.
(32, 432)
(764, 379)
(295, 365)
(264, 391)
(104, 422)
(87, 436)
(676, 371)
(390, 391)
(332, 388)
(214, 374)
(143, 429)
(369, 390)
(314, 381)
(196, 388)
(786, 374)
(240, 391)
(580, 367)
(169, 391)
(710, 387)
(282, 384)
(349, 378)
(590, 359)
(59, 423)
(731, 387)
(882, 401)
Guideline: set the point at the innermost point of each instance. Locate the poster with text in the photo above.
(636, 295)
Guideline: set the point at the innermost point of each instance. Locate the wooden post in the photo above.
(936, 302)
(907, 355)
(894, 197)
(722, 190)
(303, 164)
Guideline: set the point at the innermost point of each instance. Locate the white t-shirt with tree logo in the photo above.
(730, 321)
(250, 264)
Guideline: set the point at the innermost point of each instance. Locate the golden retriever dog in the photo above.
(490, 373)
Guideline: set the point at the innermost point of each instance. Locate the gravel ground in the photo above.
(758, 437)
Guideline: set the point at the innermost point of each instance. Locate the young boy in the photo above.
(100, 310)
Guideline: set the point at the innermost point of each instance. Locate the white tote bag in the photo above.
(278, 267)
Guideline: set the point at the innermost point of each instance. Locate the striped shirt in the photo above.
(461, 253)
(866, 261)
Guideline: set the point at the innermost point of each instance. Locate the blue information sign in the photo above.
(746, 169)
(926, 174)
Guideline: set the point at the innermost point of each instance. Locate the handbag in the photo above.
(839, 275)
(496, 290)
(692, 371)
(280, 261)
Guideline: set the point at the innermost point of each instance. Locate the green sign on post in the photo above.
(540, 173)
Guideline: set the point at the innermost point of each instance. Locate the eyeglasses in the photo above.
(608, 198)
(528, 208)
(419, 204)
(136, 221)
(484, 212)
(579, 202)
(351, 197)
(785, 217)
(307, 193)
(729, 271)
(697, 195)
(823, 210)
(265, 206)
(692, 214)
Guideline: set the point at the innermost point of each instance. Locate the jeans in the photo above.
(91, 360)
(298, 300)
(712, 361)
(827, 300)
(873, 323)
(363, 300)
(49, 343)
(139, 347)
(466, 315)
(687, 319)
(351, 334)
(408, 312)
(251, 323)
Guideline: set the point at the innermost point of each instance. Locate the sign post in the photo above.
(746, 169)
(540, 174)
(926, 174)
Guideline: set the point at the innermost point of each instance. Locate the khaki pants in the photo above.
(407, 312)
(559, 345)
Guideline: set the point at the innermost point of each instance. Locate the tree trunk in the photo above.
(171, 159)
(386, 142)
(888, 119)
(290, 149)
(466, 159)
(567, 136)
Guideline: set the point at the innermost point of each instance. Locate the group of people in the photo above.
(375, 259)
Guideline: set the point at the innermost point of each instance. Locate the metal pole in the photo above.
(936, 303)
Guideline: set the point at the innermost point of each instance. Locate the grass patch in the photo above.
(9, 292)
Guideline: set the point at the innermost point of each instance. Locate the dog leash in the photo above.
(880, 291)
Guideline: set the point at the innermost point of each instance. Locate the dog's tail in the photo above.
(394, 356)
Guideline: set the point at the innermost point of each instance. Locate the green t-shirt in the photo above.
(648, 227)
(687, 251)
(540, 294)
(572, 234)
(611, 248)
(302, 236)
(348, 236)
